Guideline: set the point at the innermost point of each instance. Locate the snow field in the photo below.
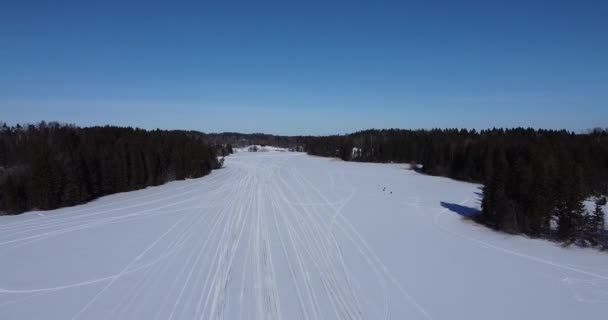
(282, 235)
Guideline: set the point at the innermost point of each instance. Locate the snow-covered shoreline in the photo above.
(284, 235)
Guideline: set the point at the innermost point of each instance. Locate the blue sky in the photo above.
(305, 67)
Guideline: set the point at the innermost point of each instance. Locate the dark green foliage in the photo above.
(569, 209)
(594, 233)
(13, 194)
(48, 166)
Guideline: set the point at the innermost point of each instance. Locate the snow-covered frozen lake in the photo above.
(278, 235)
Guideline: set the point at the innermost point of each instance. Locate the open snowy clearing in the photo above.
(279, 235)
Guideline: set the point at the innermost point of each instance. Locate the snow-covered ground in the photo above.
(280, 235)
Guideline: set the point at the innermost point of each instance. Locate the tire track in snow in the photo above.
(319, 251)
(359, 242)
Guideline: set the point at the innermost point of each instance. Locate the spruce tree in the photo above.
(595, 224)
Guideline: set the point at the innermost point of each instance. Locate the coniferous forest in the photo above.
(48, 166)
(535, 181)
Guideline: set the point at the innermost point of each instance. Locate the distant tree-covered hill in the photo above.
(246, 139)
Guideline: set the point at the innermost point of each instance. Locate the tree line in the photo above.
(51, 165)
(535, 181)
(241, 140)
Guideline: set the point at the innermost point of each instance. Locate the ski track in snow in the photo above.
(270, 236)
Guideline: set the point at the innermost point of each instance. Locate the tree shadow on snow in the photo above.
(464, 211)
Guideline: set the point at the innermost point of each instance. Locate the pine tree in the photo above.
(594, 230)
(540, 200)
(495, 202)
(570, 210)
(12, 196)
